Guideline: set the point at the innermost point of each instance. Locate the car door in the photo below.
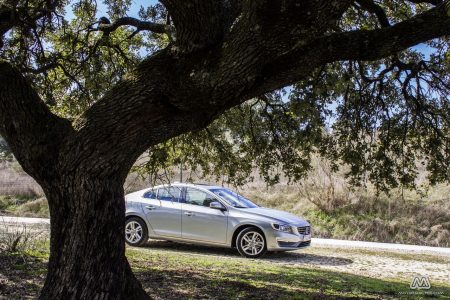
(199, 221)
(163, 211)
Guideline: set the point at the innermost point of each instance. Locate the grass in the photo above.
(14, 181)
(174, 271)
(21, 276)
(187, 272)
(184, 276)
(24, 206)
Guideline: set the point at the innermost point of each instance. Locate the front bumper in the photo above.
(283, 241)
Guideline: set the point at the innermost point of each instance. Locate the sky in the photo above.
(136, 4)
(133, 12)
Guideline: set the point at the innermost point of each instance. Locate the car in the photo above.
(211, 215)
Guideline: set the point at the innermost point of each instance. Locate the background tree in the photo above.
(82, 97)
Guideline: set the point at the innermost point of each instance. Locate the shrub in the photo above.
(18, 237)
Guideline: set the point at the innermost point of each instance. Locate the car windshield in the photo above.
(234, 199)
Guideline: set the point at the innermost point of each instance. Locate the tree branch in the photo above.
(433, 2)
(372, 7)
(363, 45)
(128, 21)
(198, 23)
(42, 69)
(23, 16)
(379, 43)
(31, 130)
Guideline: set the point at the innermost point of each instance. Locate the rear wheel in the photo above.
(251, 243)
(136, 233)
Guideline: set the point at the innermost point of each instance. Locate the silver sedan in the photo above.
(211, 215)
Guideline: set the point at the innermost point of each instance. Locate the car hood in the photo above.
(278, 216)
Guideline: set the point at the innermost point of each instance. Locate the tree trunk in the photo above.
(87, 247)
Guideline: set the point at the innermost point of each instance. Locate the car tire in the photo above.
(251, 243)
(136, 233)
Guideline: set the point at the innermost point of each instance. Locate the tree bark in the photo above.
(87, 247)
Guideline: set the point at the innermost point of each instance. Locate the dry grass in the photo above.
(337, 210)
(325, 198)
(14, 181)
(24, 207)
(34, 208)
(20, 237)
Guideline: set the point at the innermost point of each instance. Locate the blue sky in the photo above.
(134, 9)
(102, 8)
(136, 4)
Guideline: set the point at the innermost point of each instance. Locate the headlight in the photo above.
(281, 227)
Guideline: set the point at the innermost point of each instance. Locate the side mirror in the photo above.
(217, 205)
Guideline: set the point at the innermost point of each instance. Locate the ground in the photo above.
(174, 271)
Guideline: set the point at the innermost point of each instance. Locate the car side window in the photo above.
(151, 194)
(197, 197)
(169, 194)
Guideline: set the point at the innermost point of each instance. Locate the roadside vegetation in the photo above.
(24, 206)
(408, 217)
(334, 207)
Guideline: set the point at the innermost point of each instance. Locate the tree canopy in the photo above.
(381, 115)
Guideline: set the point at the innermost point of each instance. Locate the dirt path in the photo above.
(371, 263)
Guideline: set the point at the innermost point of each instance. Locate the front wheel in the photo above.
(251, 243)
(136, 233)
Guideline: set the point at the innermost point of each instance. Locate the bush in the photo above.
(18, 237)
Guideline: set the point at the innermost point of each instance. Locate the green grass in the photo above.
(21, 275)
(188, 274)
(173, 271)
(8, 202)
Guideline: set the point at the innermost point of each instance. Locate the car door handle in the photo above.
(150, 207)
(189, 214)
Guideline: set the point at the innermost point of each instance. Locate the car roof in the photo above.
(196, 185)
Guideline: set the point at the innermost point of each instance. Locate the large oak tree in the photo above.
(82, 98)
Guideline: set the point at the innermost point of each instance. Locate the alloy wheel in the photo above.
(252, 243)
(133, 232)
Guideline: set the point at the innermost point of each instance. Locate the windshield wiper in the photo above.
(238, 206)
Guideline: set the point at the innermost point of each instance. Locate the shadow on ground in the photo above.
(174, 276)
(192, 283)
(294, 258)
(169, 284)
(21, 276)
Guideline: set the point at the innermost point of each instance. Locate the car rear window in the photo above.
(169, 194)
(151, 194)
